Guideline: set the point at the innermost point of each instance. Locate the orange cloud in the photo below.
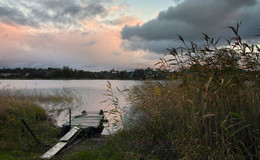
(101, 44)
(95, 44)
(11, 33)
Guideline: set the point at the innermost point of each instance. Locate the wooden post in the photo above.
(70, 118)
(30, 131)
(101, 112)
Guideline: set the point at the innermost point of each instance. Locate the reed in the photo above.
(209, 108)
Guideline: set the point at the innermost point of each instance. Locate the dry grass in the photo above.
(209, 108)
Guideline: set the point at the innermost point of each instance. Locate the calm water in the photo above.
(90, 93)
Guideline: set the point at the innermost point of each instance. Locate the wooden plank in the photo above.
(63, 142)
(85, 125)
(70, 134)
(55, 149)
(86, 117)
(86, 120)
(81, 121)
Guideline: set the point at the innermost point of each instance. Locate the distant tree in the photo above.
(66, 72)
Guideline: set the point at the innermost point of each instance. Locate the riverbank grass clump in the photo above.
(15, 140)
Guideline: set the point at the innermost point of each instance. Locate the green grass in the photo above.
(96, 153)
(15, 140)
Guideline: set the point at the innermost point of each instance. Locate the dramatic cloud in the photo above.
(190, 18)
(106, 34)
(58, 13)
(93, 46)
(123, 21)
(13, 16)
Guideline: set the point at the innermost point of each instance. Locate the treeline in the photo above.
(69, 73)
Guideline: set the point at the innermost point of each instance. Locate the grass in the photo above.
(96, 153)
(15, 140)
(209, 108)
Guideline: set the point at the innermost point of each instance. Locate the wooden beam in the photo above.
(63, 142)
(55, 149)
(70, 134)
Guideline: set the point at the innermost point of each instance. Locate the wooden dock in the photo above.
(88, 123)
(89, 119)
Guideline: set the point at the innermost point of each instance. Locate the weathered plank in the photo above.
(86, 125)
(82, 120)
(63, 142)
(85, 121)
(55, 149)
(70, 134)
(88, 117)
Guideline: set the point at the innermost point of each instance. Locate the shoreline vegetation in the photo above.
(67, 73)
(209, 108)
(16, 142)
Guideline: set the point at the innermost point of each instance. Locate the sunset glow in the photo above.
(106, 34)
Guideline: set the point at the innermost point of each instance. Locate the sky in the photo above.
(99, 35)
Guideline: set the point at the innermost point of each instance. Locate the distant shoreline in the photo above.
(76, 79)
(67, 73)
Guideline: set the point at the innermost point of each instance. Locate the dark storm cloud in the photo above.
(12, 16)
(74, 9)
(68, 12)
(190, 18)
(154, 46)
(60, 13)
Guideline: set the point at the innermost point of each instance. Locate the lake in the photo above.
(89, 93)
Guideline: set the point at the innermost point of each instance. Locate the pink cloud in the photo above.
(96, 44)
